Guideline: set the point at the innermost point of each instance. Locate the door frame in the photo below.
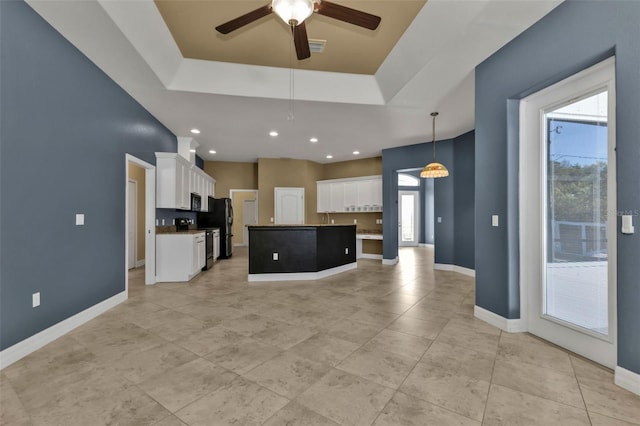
(133, 225)
(532, 208)
(149, 221)
(416, 212)
(255, 192)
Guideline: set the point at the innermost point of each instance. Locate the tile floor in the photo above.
(381, 345)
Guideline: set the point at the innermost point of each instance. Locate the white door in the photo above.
(249, 217)
(132, 218)
(408, 218)
(568, 229)
(289, 206)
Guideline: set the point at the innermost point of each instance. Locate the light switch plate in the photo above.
(627, 224)
(439, 219)
(35, 299)
(79, 219)
(494, 220)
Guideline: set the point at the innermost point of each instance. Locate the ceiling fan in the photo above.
(294, 12)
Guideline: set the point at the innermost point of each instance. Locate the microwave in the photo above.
(196, 202)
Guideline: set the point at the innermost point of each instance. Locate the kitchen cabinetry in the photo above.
(179, 256)
(354, 195)
(176, 179)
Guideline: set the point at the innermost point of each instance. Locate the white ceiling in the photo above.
(235, 106)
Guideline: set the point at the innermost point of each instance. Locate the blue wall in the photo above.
(65, 129)
(450, 248)
(575, 35)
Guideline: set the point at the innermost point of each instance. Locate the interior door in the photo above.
(408, 218)
(132, 198)
(249, 216)
(289, 206)
(571, 290)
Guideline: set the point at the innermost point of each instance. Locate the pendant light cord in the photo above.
(433, 132)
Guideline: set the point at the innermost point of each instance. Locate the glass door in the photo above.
(568, 214)
(408, 215)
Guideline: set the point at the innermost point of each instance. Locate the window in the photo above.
(407, 180)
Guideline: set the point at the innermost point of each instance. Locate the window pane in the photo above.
(407, 180)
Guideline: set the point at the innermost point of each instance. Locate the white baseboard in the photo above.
(31, 344)
(390, 261)
(370, 256)
(139, 263)
(302, 276)
(426, 245)
(454, 268)
(627, 379)
(508, 325)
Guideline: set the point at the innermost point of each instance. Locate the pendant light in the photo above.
(434, 169)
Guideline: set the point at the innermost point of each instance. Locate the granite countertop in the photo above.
(163, 230)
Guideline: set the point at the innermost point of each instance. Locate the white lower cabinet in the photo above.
(179, 257)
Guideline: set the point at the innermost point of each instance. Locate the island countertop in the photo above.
(309, 225)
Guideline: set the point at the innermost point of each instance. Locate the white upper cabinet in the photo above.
(361, 194)
(176, 179)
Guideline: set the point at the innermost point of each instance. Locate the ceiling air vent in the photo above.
(317, 46)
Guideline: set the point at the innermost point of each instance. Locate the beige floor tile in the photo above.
(474, 324)
(181, 386)
(600, 420)
(210, 312)
(12, 412)
(588, 370)
(445, 357)
(170, 421)
(346, 399)
(208, 340)
(287, 374)
(239, 402)
(511, 408)
(610, 400)
(408, 411)
(353, 331)
(385, 368)
(243, 355)
(523, 347)
(399, 343)
(538, 381)
(137, 366)
(282, 335)
(381, 319)
(429, 329)
(427, 314)
(248, 325)
(325, 349)
(459, 393)
(294, 414)
(465, 338)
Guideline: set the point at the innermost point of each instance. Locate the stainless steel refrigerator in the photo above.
(220, 215)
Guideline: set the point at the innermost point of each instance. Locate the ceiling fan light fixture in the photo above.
(292, 11)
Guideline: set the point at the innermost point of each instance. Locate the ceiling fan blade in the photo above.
(301, 41)
(346, 14)
(243, 20)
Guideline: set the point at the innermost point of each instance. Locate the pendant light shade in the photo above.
(434, 169)
(293, 10)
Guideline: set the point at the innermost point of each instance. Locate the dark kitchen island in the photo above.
(300, 252)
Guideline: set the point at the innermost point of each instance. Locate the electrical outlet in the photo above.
(494, 220)
(355, 221)
(346, 250)
(439, 219)
(271, 220)
(35, 299)
(275, 256)
(80, 219)
(332, 221)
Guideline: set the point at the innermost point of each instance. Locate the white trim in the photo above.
(302, 276)
(627, 379)
(390, 261)
(149, 221)
(508, 325)
(455, 268)
(370, 256)
(140, 263)
(426, 245)
(31, 344)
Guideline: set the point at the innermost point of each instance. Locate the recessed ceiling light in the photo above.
(211, 151)
(273, 133)
(356, 152)
(192, 150)
(313, 140)
(329, 156)
(195, 131)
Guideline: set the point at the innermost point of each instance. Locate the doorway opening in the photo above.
(145, 230)
(245, 208)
